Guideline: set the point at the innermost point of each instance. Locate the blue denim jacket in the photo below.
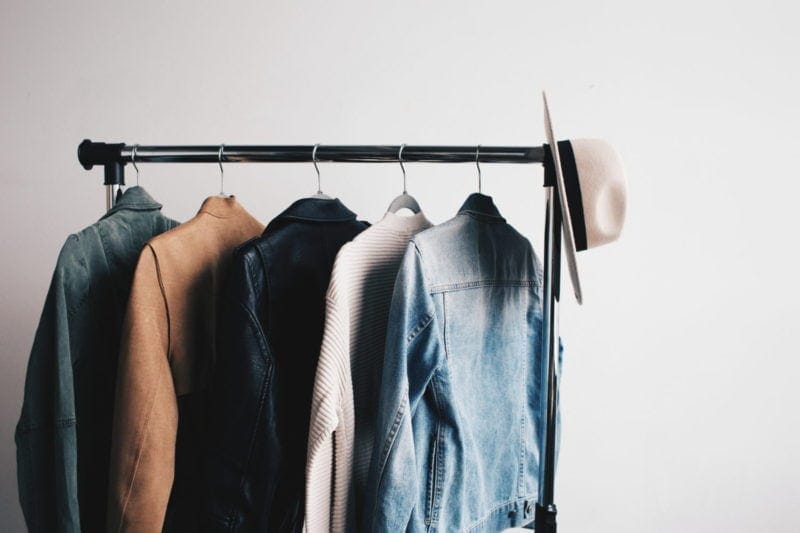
(457, 440)
(64, 431)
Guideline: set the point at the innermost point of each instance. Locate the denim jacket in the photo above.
(64, 432)
(269, 335)
(457, 440)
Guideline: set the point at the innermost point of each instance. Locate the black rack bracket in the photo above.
(107, 154)
(98, 153)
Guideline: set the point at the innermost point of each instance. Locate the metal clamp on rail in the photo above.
(107, 154)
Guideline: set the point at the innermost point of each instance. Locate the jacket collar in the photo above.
(317, 210)
(221, 206)
(404, 224)
(134, 199)
(481, 207)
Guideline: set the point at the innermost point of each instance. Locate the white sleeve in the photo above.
(331, 426)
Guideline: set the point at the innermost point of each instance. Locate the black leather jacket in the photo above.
(269, 333)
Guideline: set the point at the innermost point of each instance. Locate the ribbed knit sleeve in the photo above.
(330, 443)
(347, 380)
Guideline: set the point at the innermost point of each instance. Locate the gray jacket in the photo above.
(64, 432)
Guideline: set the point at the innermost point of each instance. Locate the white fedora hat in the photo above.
(591, 185)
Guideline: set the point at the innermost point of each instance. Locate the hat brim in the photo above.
(569, 236)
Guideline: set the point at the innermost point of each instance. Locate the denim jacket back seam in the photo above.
(76, 307)
(436, 470)
(420, 327)
(104, 239)
(444, 326)
(522, 455)
(464, 285)
(422, 267)
(66, 422)
(389, 441)
(399, 416)
(388, 444)
(24, 428)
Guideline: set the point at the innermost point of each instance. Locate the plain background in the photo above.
(680, 393)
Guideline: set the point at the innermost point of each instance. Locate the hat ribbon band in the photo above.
(574, 199)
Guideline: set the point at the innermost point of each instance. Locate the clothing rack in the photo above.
(114, 156)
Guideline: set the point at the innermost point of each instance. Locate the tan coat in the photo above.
(166, 351)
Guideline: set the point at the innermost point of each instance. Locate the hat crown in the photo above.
(603, 189)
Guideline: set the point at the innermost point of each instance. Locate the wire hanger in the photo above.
(478, 164)
(320, 194)
(133, 160)
(404, 200)
(220, 155)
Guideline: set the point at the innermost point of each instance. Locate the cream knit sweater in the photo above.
(348, 375)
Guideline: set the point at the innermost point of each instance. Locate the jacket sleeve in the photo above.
(413, 353)
(240, 476)
(330, 443)
(145, 410)
(46, 432)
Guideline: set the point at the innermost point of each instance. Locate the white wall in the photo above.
(680, 387)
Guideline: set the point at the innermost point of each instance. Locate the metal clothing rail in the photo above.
(114, 156)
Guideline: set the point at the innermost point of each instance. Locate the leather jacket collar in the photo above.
(315, 210)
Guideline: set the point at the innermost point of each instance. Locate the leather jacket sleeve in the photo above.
(242, 407)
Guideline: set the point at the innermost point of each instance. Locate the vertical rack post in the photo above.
(110, 156)
(545, 517)
(114, 178)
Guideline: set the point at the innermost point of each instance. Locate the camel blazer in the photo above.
(167, 350)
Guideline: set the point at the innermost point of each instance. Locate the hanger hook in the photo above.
(478, 164)
(314, 159)
(133, 160)
(220, 155)
(402, 167)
